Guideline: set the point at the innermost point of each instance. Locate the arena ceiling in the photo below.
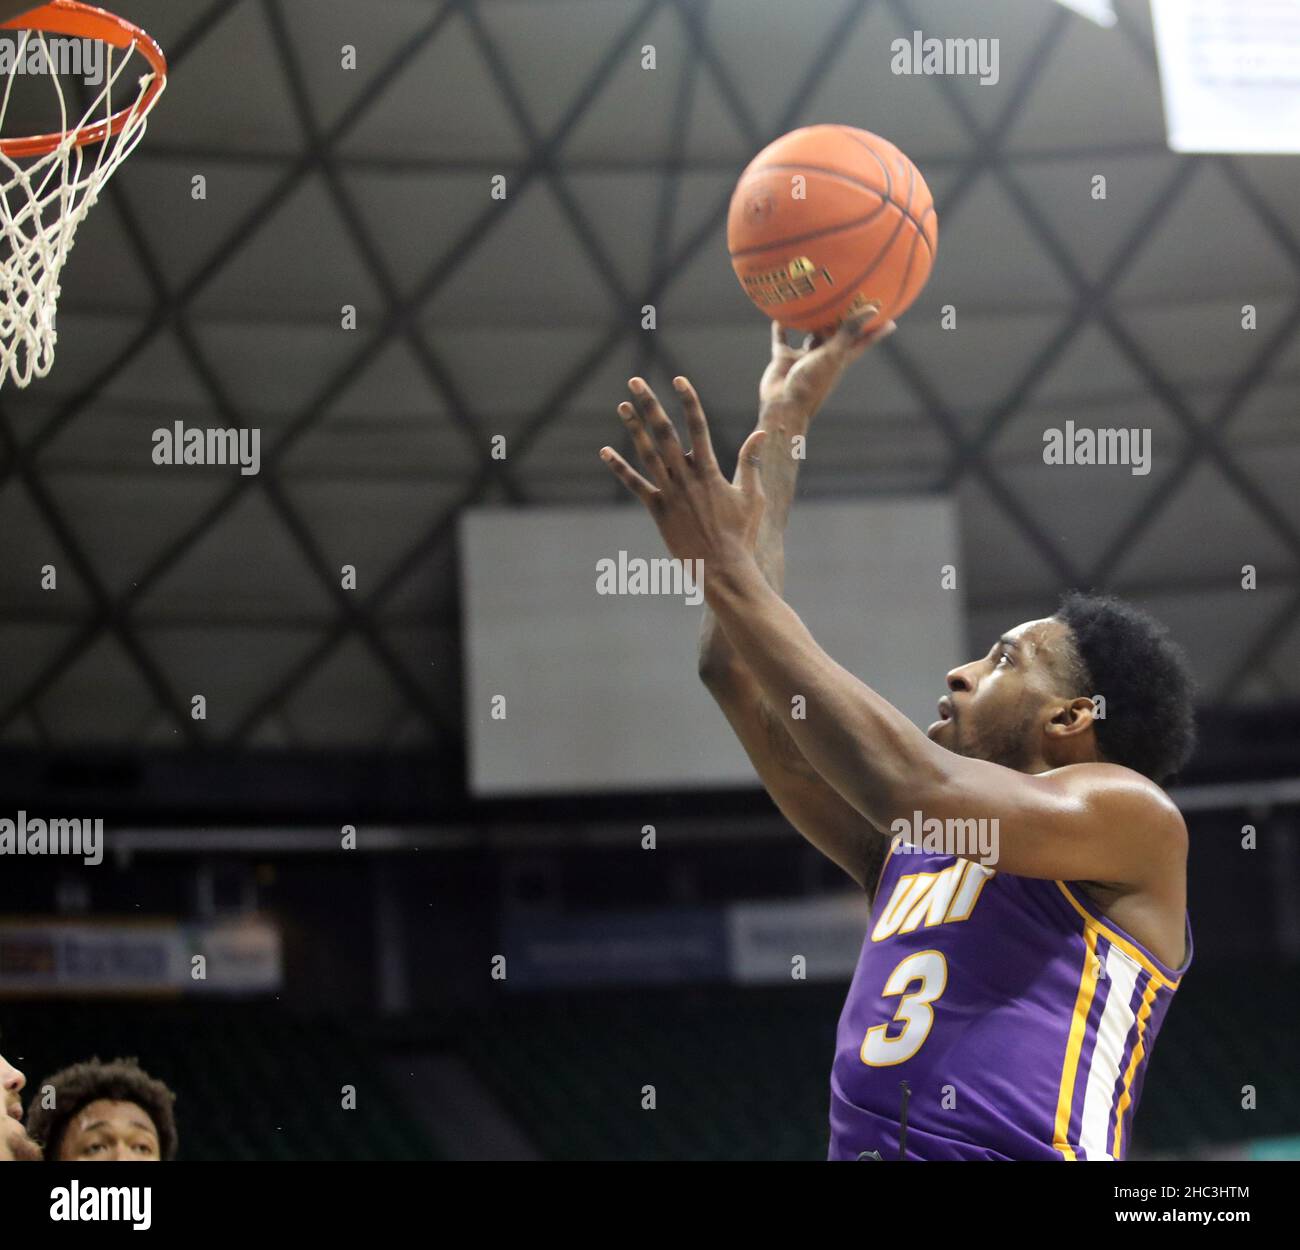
(521, 317)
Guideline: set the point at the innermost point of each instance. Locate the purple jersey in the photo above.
(1020, 1017)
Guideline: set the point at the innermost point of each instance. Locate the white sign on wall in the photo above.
(570, 689)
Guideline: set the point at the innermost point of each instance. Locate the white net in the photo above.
(43, 198)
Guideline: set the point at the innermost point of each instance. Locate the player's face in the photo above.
(15, 1145)
(14, 1142)
(11, 1083)
(110, 1131)
(994, 706)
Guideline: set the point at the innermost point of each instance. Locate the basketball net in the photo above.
(48, 183)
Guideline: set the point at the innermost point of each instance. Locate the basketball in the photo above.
(826, 219)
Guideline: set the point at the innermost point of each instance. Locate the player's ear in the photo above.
(1067, 720)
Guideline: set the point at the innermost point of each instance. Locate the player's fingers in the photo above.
(701, 444)
(645, 448)
(750, 462)
(628, 476)
(661, 428)
(853, 329)
(869, 338)
(876, 333)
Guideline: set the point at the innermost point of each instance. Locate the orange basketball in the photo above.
(827, 218)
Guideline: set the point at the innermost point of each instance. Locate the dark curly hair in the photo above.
(1127, 657)
(77, 1086)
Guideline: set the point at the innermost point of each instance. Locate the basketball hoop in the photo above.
(48, 182)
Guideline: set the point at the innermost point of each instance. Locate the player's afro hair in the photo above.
(77, 1086)
(1145, 677)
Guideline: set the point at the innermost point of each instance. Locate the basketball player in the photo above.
(105, 1112)
(15, 1145)
(1003, 1009)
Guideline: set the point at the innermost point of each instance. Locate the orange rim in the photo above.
(84, 21)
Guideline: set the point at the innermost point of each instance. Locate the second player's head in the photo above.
(104, 1111)
(1031, 703)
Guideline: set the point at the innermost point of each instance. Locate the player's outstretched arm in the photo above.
(814, 808)
(1087, 821)
(793, 388)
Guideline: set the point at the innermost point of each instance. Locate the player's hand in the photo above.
(802, 377)
(700, 515)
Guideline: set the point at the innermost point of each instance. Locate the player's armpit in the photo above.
(812, 806)
(1095, 822)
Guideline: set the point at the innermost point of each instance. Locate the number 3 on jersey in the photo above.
(914, 1013)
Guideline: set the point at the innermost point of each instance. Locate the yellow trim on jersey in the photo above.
(1074, 1046)
(1144, 1013)
(1093, 925)
(987, 875)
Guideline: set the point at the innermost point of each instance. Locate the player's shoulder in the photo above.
(1117, 793)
